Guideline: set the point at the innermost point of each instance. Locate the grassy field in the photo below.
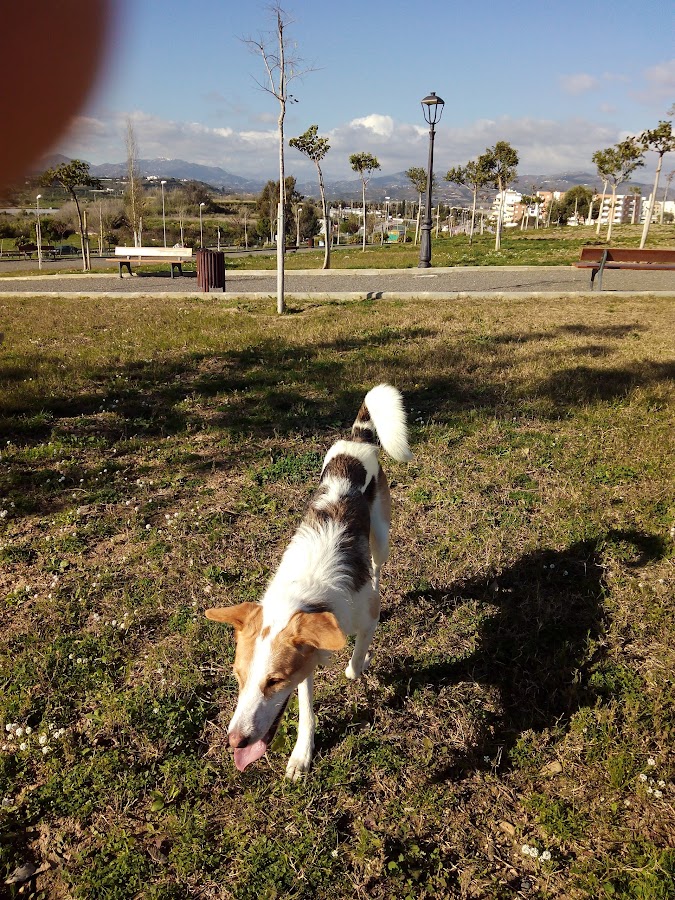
(543, 247)
(514, 736)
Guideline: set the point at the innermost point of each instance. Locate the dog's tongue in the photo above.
(244, 756)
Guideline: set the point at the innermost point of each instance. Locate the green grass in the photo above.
(542, 247)
(156, 458)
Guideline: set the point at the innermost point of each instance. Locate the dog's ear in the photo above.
(318, 629)
(238, 616)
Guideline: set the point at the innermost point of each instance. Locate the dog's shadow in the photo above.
(540, 632)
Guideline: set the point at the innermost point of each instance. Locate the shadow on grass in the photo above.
(540, 637)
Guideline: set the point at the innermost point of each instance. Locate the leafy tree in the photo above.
(315, 148)
(266, 208)
(476, 174)
(501, 162)
(365, 165)
(576, 199)
(661, 140)
(617, 164)
(526, 201)
(636, 192)
(417, 176)
(70, 176)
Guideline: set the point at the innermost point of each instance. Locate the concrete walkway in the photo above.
(360, 282)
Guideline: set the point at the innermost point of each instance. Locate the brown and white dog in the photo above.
(326, 587)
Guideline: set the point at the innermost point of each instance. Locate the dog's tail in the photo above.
(382, 417)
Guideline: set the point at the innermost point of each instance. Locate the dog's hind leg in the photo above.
(301, 758)
(362, 655)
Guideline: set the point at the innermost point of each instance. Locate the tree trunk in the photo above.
(82, 237)
(500, 216)
(602, 204)
(473, 215)
(665, 197)
(326, 221)
(419, 219)
(611, 214)
(363, 183)
(650, 206)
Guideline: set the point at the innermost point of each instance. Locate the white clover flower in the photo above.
(642, 776)
(42, 740)
(658, 794)
(29, 730)
(19, 732)
(23, 746)
(661, 783)
(526, 849)
(45, 750)
(546, 855)
(651, 761)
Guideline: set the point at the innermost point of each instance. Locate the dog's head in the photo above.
(269, 664)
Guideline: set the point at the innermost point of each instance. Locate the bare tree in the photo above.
(281, 69)
(134, 192)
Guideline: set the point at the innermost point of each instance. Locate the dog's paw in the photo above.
(351, 672)
(297, 767)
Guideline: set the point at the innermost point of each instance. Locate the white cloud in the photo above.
(380, 126)
(544, 145)
(661, 77)
(579, 83)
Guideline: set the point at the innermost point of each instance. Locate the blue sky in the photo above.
(557, 80)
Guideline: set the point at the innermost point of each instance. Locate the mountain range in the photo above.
(395, 186)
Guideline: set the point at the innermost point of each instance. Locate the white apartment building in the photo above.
(511, 200)
(627, 208)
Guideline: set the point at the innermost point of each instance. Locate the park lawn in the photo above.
(542, 247)
(514, 735)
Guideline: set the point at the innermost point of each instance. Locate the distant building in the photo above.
(627, 208)
(511, 200)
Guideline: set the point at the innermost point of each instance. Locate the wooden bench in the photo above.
(597, 259)
(27, 250)
(175, 256)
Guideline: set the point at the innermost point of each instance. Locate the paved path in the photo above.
(462, 279)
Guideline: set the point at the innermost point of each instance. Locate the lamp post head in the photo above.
(203, 203)
(39, 196)
(432, 107)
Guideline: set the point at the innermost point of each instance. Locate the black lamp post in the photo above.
(432, 106)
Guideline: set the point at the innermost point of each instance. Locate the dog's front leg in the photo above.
(301, 758)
